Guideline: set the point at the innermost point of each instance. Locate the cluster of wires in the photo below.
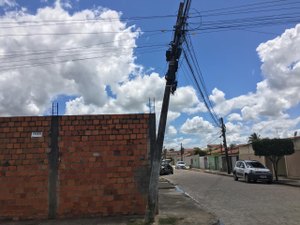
(197, 79)
(20, 59)
(245, 16)
(254, 15)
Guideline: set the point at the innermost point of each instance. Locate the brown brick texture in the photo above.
(23, 167)
(103, 166)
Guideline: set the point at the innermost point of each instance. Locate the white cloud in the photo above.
(279, 91)
(236, 133)
(28, 91)
(109, 82)
(171, 130)
(132, 96)
(196, 125)
(185, 100)
(66, 4)
(175, 143)
(281, 127)
(217, 96)
(9, 3)
(234, 117)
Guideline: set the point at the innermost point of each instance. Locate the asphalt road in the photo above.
(240, 203)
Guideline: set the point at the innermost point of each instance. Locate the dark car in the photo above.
(165, 168)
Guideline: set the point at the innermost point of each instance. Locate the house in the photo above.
(187, 156)
(288, 166)
(216, 157)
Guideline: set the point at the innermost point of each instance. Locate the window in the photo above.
(255, 165)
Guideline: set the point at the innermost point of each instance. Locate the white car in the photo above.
(180, 165)
(251, 170)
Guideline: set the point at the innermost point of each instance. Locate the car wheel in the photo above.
(235, 177)
(270, 181)
(247, 179)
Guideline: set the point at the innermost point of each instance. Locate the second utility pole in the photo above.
(172, 56)
(223, 127)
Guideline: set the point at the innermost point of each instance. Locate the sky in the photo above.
(108, 57)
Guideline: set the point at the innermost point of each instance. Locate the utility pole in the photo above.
(223, 127)
(172, 57)
(181, 151)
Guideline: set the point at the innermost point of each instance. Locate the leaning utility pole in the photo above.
(181, 151)
(172, 56)
(223, 127)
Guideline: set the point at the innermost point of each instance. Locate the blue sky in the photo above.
(109, 57)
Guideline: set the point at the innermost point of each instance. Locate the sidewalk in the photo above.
(174, 205)
(175, 208)
(281, 180)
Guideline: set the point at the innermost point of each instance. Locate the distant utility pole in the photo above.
(223, 127)
(181, 151)
(172, 57)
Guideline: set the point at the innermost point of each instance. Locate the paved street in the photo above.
(240, 203)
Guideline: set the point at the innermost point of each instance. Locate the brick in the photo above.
(120, 139)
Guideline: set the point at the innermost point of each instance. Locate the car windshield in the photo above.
(255, 165)
(180, 162)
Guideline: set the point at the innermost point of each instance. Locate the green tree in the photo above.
(232, 146)
(253, 137)
(273, 149)
(198, 151)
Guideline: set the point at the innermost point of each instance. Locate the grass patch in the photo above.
(168, 221)
(136, 222)
(161, 221)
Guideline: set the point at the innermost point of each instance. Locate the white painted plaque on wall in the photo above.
(36, 134)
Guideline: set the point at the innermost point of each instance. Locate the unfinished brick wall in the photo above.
(102, 166)
(23, 168)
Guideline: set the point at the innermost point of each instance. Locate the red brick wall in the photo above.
(23, 167)
(102, 168)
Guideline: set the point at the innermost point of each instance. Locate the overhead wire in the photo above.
(245, 6)
(76, 33)
(35, 62)
(215, 138)
(71, 51)
(86, 20)
(257, 8)
(200, 90)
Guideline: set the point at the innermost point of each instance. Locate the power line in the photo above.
(206, 101)
(245, 7)
(73, 51)
(82, 58)
(205, 26)
(257, 8)
(215, 138)
(77, 33)
(74, 21)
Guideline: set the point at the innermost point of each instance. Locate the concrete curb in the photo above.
(287, 184)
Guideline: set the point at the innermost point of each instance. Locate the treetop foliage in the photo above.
(273, 147)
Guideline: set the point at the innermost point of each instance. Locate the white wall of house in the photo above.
(288, 166)
(203, 162)
(293, 161)
(246, 152)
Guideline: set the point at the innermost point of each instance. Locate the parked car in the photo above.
(180, 165)
(165, 168)
(251, 170)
